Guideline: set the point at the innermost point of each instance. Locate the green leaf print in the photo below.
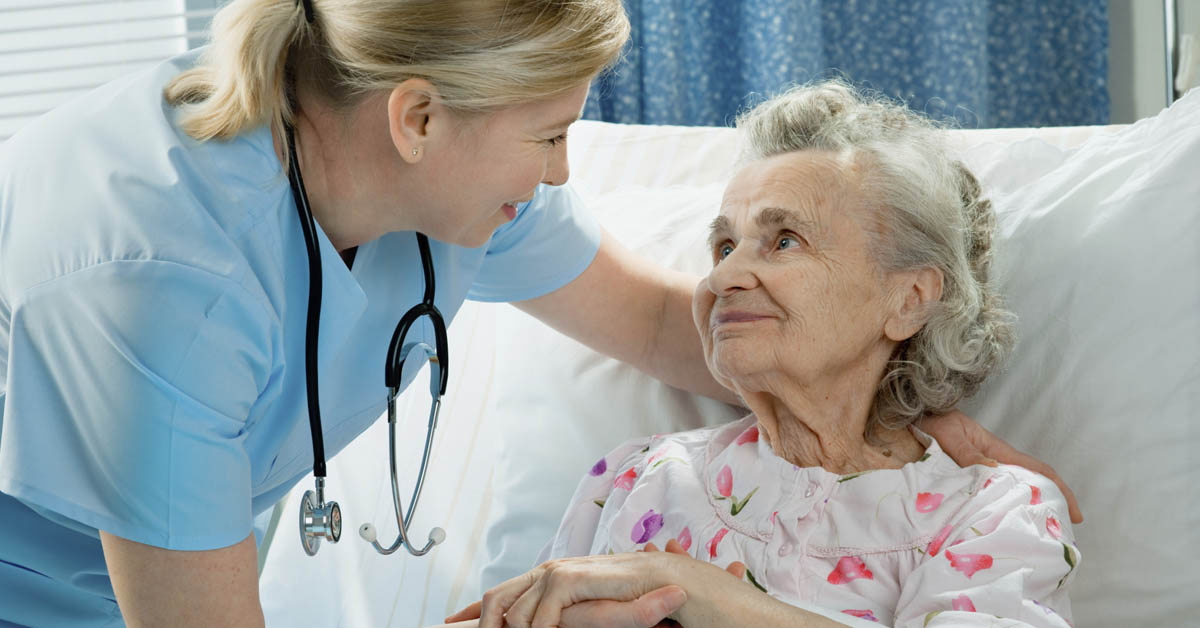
(847, 478)
(657, 463)
(754, 582)
(1069, 556)
(599, 502)
(738, 506)
(929, 617)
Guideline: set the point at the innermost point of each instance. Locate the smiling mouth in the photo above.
(734, 318)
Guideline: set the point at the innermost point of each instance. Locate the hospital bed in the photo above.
(1098, 254)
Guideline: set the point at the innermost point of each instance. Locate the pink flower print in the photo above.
(773, 516)
(935, 545)
(749, 436)
(658, 454)
(647, 527)
(685, 538)
(725, 481)
(867, 614)
(716, 540)
(963, 603)
(625, 480)
(1037, 496)
(599, 468)
(1053, 527)
(849, 568)
(725, 491)
(928, 502)
(969, 563)
(989, 481)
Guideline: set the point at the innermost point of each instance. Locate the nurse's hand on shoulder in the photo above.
(968, 443)
(161, 587)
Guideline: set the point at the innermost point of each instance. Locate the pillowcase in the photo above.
(1098, 253)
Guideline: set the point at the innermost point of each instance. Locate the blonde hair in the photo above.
(930, 213)
(481, 55)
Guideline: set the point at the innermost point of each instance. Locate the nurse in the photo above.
(154, 278)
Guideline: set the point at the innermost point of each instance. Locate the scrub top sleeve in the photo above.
(552, 241)
(130, 384)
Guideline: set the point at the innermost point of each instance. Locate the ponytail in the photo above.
(242, 79)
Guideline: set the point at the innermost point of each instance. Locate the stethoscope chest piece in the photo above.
(318, 521)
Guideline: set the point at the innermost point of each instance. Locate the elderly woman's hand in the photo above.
(542, 596)
(634, 590)
(968, 443)
(649, 610)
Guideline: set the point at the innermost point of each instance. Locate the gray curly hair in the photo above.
(929, 214)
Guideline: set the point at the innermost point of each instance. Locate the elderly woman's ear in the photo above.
(913, 291)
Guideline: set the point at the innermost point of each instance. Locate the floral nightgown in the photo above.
(930, 544)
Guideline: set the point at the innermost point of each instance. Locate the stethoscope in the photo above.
(320, 519)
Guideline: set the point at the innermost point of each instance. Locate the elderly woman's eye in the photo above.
(787, 242)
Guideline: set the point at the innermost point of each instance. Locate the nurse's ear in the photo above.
(412, 107)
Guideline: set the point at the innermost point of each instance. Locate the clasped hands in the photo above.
(582, 592)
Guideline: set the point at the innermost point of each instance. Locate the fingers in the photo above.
(968, 443)
(497, 601)
(650, 547)
(737, 568)
(1037, 466)
(647, 611)
(674, 547)
(532, 607)
(471, 612)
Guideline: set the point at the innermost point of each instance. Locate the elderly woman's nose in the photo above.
(733, 273)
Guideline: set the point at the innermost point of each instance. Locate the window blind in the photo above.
(54, 50)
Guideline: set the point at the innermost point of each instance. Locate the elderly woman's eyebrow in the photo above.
(718, 230)
(781, 217)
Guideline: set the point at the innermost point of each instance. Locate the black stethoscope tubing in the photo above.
(318, 518)
(313, 326)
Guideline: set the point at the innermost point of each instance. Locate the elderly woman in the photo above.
(849, 297)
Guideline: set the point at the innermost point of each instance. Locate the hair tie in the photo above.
(308, 10)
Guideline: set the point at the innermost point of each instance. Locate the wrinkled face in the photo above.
(794, 292)
(496, 162)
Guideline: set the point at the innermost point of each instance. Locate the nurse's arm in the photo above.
(628, 308)
(161, 587)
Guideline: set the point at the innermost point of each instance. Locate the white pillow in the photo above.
(1099, 255)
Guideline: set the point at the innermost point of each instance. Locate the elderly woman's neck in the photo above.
(827, 428)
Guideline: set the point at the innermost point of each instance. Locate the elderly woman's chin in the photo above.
(741, 365)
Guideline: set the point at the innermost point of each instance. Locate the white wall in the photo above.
(1137, 77)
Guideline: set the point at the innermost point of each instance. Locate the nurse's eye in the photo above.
(556, 140)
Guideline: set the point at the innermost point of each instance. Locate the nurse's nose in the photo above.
(557, 168)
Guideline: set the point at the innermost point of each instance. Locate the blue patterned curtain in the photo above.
(983, 63)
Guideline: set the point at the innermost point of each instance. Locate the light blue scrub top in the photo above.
(153, 294)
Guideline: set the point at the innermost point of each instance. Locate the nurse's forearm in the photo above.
(677, 357)
(161, 587)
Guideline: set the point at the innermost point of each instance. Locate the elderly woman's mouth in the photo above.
(730, 317)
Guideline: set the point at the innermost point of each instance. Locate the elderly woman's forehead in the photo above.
(807, 177)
